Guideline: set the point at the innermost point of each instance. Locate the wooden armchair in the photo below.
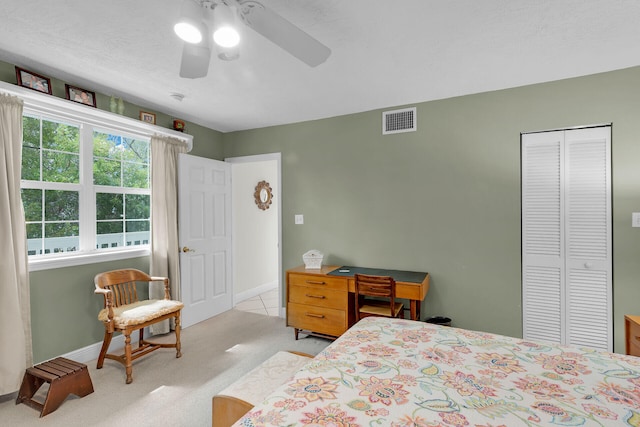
(125, 313)
(382, 287)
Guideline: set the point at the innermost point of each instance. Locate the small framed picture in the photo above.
(148, 117)
(33, 81)
(80, 95)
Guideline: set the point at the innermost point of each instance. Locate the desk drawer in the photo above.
(634, 338)
(320, 281)
(317, 319)
(318, 296)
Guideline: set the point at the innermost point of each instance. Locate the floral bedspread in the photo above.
(385, 372)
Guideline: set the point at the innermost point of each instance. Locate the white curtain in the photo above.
(15, 314)
(164, 218)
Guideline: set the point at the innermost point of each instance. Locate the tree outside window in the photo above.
(54, 189)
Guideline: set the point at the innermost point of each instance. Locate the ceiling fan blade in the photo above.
(195, 60)
(283, 33)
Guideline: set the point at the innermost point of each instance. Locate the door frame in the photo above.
(277, 200)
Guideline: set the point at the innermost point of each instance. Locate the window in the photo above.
(74, 207)
(51, 185)
(121, 179)
(85, 181)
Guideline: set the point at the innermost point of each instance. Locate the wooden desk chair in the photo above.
(380, 287)
(125, 313)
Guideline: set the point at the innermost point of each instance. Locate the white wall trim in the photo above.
(47, 263)
(254, 292)
(49, 104)
(91, 352)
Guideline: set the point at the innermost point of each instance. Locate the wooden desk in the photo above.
(321, 300)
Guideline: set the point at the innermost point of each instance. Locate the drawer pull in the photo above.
(315, 296)
(314, 282)
(319, 316)
(637, 338)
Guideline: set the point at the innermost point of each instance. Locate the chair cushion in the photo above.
(140, 312)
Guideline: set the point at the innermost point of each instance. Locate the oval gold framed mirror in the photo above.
(263, 195)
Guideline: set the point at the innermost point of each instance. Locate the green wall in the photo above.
(446, 199)
(64, 308)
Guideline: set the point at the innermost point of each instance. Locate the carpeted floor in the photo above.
(167, 391)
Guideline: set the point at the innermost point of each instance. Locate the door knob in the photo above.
(186, 249)
(588, 265)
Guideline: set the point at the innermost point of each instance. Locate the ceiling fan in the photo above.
(200, 19)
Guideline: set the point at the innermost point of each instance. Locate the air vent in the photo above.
(398, 121)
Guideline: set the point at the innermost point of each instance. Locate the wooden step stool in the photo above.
(64, 377)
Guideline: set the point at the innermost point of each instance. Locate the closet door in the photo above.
(588, 237)
(566, 237)
(542, 236)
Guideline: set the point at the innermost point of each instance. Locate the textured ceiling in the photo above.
(384, 53)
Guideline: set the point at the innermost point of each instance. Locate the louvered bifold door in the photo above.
(566, 237)
(542, 231)
(588, 237)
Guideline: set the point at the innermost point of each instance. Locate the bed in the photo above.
(396, 372)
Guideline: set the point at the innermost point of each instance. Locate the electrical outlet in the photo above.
(635, 219)
(299, 219)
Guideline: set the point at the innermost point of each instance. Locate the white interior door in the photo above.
(205, 237)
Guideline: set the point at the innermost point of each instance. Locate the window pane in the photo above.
(136, 175)
(31, 132)
(136, 151)
(34, 230)
(60, 229)
(109, 206)
(30, 148)
(30, 163)
(108, 227)
(133, 226)
(107, 146)
(120, 161)
(107, 172)
(110, 234)
(138, 233)
(60, 137)
(34, 238)
(32, 202)
(61, 205)
(60, 167)
(61, 237)
(138, 206)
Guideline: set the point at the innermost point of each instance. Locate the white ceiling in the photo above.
(384, 53)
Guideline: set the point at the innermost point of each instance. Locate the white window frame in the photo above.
(36, 103)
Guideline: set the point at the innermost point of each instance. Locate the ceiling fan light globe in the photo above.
(226, 37)
(188, 32)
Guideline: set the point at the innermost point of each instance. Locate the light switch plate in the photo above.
(635, 219)
(299, 219)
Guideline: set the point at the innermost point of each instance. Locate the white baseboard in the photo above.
(91, 352)
(254, 292)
